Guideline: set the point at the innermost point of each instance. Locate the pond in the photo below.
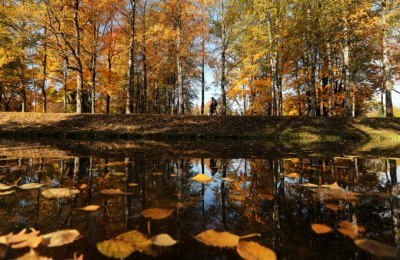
(149, 200)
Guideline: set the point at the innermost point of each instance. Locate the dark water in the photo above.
(257, 198)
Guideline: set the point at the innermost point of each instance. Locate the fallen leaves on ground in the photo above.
(29, 186)
(89, 208)
(201, 178)
(60, 238)
(125, 244)
(220, 239)
(378, 249)
(55, 193)
(163, 240)
(321, 228)
(157, 213)
(254, 251)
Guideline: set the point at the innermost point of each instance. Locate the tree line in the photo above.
(267, 57)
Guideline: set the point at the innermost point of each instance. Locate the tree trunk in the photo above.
(202, 82)
(131, 63)
(93, 93)
(65, 84)
(179, 73)
(79, 76)
(353, 110)
(44, 72)
(330, 79)
(23, 94)
(144, 104)
(173, 100)
(346, 54)
(386, 64)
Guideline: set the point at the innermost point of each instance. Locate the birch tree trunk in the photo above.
(346, 57)
(385, 62)
(79, 76)
(131, 63)
(44, 72)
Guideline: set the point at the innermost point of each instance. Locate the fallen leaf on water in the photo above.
(332, 186)
(157, 213)
(377, 249)
(113, 191)
(173, 175)
(133, 184)
(117, 173)
(32, 256)
(163, 240)
(83, 186)
(177, 205)
(201, 178)
(292, 175)
(228, 179)
(349, 233)
(156, 173)
(309, 185)
(29, 186)
(254, 251)
(55, 193)
(5, 187)
(125, 244)
(60, 238)
(22, 239)
(350, 226)
(220, 239)
(90, 208)
(6, 192)
(334, 207)
(321, 228)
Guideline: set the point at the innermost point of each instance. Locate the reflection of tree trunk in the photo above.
(89, 181)
(62, 172)
(350, 168)
(223, 195)
(77, 169)
(357, 174)
(128, 198)
(393, 176)
(333, 172)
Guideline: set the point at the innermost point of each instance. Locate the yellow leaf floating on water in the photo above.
(113, 191)
(201, 178)
(334, 207)
(117, 173)
(125, 244)
(334, 186)
(321, 228)
(254, 251)
(29, 186)
(6, 192)
(163, 240)
(83, 186)
(22, 239)
(133, 184)
(60, 238)
(157, 173)
(309, 185)
(377, 249)
(90, 208)
(292, 175)
(5, 187)
(349, 233)
(157, 213)
(55, 193)
(220, 239)
(173, 175)
(33, 256)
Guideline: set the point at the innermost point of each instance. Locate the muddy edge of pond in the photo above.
(194, 127)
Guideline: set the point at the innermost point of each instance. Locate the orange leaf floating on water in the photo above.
(113, 192)
(90, 208)
(309, 185)
(350, 226)
(378, 249)
(254, 251)
(29, 186)
(292, 175)
(60, 238)
(157, 213)
(220, 239)
(125, 244)
(334, 207)
(117, 173)
(6, 192)
(173, 175)
(83, 186)
(349, 233)
(22, 239)
(321, 228)
(163, 240)
(156, 173)
(201, 178)
(55, 193)
(133, 184)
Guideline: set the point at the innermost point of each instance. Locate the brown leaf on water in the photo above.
(334, 207)
(163, 240)
(113, 191)
(349, 233)
(7, 192)
(350, 226)
(321, 228)
(157, 213)
(378, 249)
(254, 251)
(125, 244)
(89, 208)
(220, 239)
(5, 187)
(56, 193)
(201, 178)
(133, 184)
(60, 238)
(29, 186)
(32, 256)
(157, 173)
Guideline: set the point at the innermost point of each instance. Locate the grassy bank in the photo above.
(198, 127)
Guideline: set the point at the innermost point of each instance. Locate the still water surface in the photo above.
(272, 196)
